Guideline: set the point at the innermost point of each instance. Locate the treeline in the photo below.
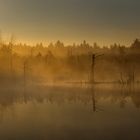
(57, 62)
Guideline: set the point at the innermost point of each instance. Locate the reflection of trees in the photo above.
(93, 98)
(69, 95)
(135, 96)
(122, 97)
(132, 92)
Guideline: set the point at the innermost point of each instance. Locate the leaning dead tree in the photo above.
(92, 72)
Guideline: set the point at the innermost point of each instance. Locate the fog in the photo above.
(69, 92)
(73, 63)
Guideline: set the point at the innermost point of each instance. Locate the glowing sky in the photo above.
(103, 21)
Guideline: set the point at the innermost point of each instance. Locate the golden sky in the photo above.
(101, 21)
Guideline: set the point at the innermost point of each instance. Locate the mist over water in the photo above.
(70, 112)
(73, 63)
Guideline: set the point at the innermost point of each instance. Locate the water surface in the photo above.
(70, 112)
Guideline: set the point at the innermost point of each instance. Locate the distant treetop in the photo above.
(136, 44)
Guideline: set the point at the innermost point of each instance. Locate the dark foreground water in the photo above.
(103, 112)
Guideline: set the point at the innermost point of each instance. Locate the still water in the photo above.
(70, 112)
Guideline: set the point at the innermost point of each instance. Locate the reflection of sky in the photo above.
(104, 21)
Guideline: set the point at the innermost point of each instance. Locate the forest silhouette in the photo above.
(72, 63)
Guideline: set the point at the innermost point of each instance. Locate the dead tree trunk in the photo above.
(92, 80)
